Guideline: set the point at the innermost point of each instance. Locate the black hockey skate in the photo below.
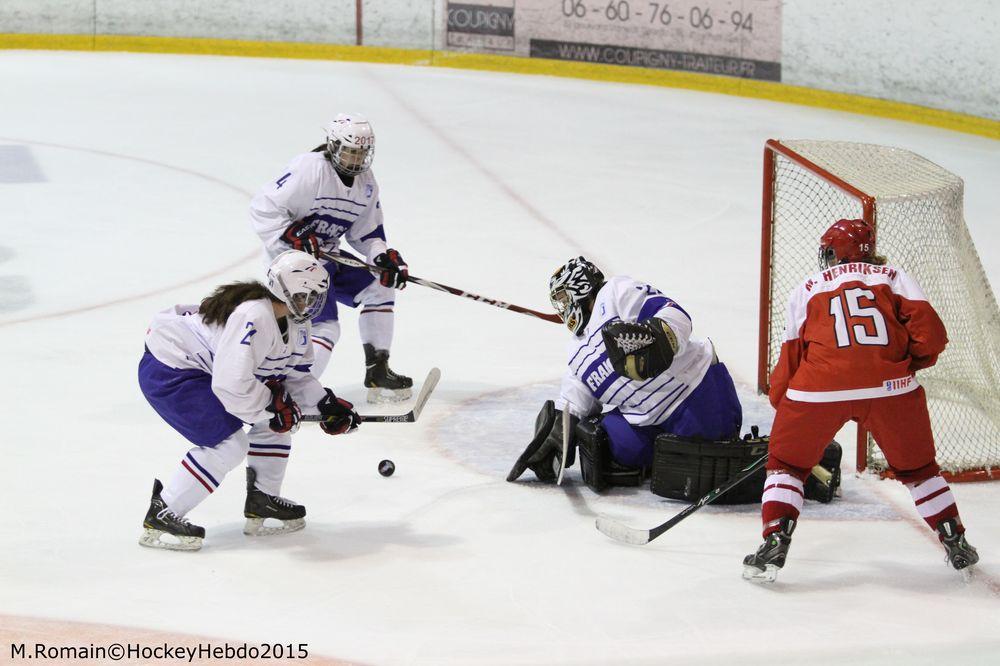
(959, 553)
(161, 521)
(260, 506)
(382, 383)
(763, 565)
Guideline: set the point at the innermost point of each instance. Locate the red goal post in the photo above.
(916, 208)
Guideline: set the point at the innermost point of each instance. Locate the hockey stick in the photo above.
(409, 417)
(357, 263)
(621, 532)
(566, 418)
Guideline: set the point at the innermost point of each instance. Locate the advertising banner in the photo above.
(740, 38)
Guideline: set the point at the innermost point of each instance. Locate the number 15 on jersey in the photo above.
(850, 302)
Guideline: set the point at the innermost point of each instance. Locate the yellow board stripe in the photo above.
(778, 92)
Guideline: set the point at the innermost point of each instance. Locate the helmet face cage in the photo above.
(351, 144)
(302, 305)
(297, 279)
(827, 257)
(570, 287)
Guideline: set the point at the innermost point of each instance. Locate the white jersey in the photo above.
(311, 191)
(590, 382)
(239, 356)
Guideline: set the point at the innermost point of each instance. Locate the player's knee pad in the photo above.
(327, 331)
(600, 471)
(688, 469)
(376, 294)
(260, 433)
(228, 453)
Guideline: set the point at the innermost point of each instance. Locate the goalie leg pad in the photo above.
(599, 469)
(824, 481)
(543, 453)
(687, 468)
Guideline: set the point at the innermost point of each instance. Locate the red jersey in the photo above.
(856, 331)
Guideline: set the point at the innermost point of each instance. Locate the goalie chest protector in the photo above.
(686, 469)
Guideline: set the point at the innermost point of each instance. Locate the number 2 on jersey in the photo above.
(851, 298)
(249, 334)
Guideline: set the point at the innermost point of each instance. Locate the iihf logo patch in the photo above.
(369, 190)
(898, 384)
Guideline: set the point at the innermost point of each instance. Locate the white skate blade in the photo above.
(378, 396)
(256, 527)
(755, 575)
(159, 539)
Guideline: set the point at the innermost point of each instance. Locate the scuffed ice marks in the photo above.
(17, 166)
(15, 290)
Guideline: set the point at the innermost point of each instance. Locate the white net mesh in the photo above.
(920, 228)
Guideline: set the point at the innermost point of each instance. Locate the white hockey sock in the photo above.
(375, 323)
(201, 471)
(324, 337)
(268, 457)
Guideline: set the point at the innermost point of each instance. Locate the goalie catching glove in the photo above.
(339, 415)
(640, 351)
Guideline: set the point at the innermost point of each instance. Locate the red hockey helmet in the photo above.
(846, 240)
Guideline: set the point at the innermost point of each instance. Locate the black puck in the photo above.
(386, 468)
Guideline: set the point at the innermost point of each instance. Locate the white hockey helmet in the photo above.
(571, 288)
(300, 282)
(351, 143)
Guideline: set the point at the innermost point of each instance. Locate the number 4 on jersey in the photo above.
(851, 298)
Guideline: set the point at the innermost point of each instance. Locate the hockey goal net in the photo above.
(916, 208)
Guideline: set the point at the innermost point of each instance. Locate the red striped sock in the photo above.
(934, 501)
(782, 497)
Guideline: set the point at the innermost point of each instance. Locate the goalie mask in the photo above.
(298, 280)
(571, 290)
(844, 241)
(350, 142)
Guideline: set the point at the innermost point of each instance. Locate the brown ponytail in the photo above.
(216, 308)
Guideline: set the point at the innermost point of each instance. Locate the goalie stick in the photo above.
(357, 263)
(409, 417)
(565, 444)
(637, 537)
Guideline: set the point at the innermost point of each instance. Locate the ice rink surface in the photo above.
(124, 184)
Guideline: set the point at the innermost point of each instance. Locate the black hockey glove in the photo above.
(640, 351)
(395, 272)
(286, 412)
(542, 455)
(340, 417)
(302, 236)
